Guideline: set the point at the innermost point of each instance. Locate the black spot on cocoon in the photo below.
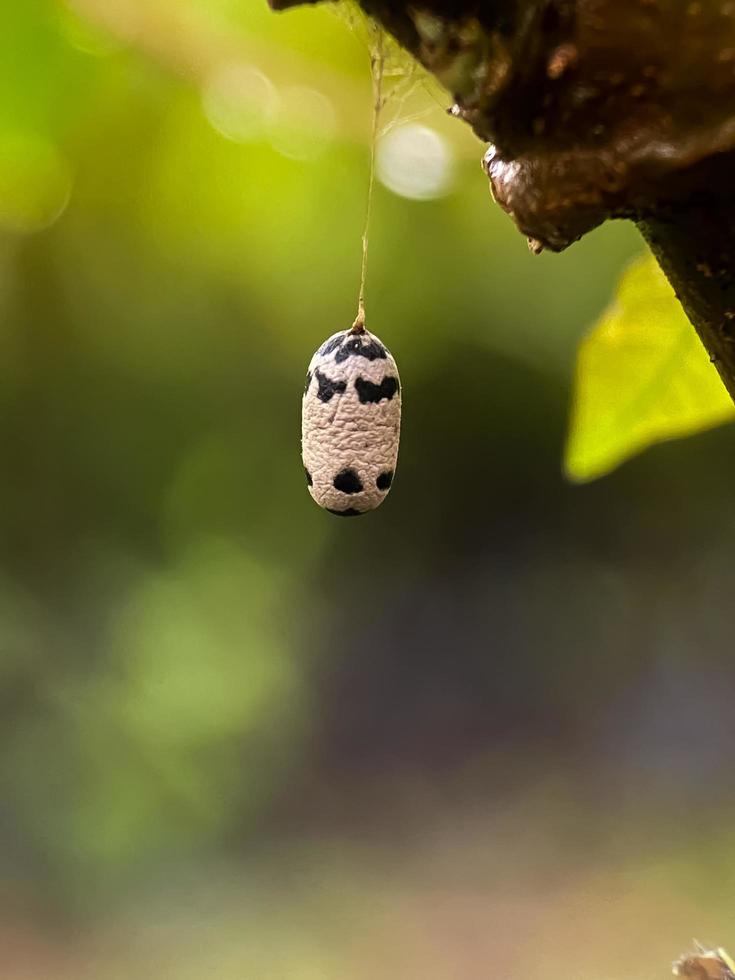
(308, 381)
(309, 481)
(350, 512)
(331, 345)
(358, 346)
(369, 392)
(384, 480)
(348, 481)
(327, 387)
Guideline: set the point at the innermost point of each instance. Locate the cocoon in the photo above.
(351, 423)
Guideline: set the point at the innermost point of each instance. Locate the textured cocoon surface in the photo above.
(351, 423)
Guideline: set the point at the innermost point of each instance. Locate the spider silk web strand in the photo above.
(377, 65)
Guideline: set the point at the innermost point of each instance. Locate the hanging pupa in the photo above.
(351, 423)
(351, 409)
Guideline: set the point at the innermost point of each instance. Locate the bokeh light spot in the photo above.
(306, 123)
(35, 183)
(416, 162)
(240, 102)
(86, 37)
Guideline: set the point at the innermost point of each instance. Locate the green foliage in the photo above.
(642, 377)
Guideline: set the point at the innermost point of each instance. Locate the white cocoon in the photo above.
(351, 423)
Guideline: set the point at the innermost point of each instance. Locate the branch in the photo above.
(695, 246)
(600, 109)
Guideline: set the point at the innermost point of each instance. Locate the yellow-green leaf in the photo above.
(642, 377)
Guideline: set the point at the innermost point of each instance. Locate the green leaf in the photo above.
(642, 377)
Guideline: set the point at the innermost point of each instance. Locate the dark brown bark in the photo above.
(695, 246)
(597, 109)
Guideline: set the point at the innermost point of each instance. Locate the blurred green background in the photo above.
(485, 732)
